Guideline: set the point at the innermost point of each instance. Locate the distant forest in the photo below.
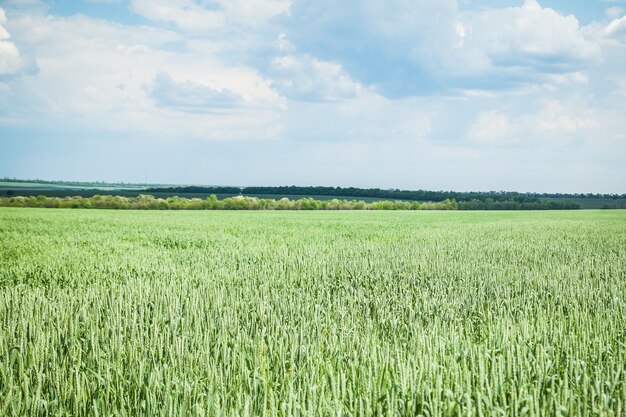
(392, 194)
(473, 200)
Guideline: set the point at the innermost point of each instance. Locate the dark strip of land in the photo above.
(469, 200)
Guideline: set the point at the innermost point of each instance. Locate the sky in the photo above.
(413, 94)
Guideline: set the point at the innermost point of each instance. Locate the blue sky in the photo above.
(418, 94)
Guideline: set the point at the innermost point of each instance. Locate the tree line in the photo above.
(149, 202)
(286, 191)
(392, 194)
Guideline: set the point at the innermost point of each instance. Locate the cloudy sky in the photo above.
(416, 94)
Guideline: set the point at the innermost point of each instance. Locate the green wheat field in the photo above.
(148, 313)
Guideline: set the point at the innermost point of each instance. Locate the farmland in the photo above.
(312, 313)
(63, 189)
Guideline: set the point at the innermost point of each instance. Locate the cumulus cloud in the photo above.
(393, 45)
(186, 14)
(406, 48)
(492, 127)
(532, 37)
(552, 121)
(616, 29)
(111, 77)
(614, 12)
(10, 59)
(254, 12)
(190, 96)
(302, 77)
(202, 16)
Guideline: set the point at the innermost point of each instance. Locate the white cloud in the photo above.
(614, 12)
(396, 46)
(97, 74)
(203, 16)
(302, 77)
(191, 96)
(532, 37)
(10, 59)
(254, 12)
(553, 121)
(616, 29)
(186, 14)
(408, 48)
(492, 127)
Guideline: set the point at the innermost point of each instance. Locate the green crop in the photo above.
(366, 313)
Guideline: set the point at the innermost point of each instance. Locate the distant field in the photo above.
(19, 186)
(131, 190)
(312, 313)
(43, 186)
(595, 203)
